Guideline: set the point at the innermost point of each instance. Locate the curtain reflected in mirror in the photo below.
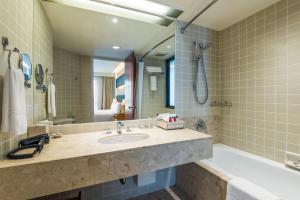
(104, 92)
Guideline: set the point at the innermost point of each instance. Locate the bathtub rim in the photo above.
(211, 166)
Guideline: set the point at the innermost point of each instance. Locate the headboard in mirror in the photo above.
(95, 61)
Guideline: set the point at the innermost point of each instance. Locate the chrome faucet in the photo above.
(120, 125)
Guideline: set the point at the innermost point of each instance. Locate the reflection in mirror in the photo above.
(39, 78)
(95, 59)
(109, 90)
(157, 93)
(39, 74)
(26, 66)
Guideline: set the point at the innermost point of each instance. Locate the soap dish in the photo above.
(292, 160)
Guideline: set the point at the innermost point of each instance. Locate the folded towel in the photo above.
(14, 120)
(240, 189)
(51, 99)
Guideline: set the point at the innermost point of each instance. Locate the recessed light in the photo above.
(115, 20)
(169, 46)
(116, 47)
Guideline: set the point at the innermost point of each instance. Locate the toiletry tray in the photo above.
(179, 124)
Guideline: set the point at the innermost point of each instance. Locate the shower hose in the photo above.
(200, 73)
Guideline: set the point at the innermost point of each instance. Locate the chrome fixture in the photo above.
(200, 13)
(5, 44)
(292, 160)
(221, 104)
(128, 129)
(200, 49)
(200, 125)
(123, 181)
(120, 125)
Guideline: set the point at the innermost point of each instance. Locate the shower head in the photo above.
(200, 48)
(204, 46)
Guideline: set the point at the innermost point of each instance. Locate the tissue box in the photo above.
(179, 124)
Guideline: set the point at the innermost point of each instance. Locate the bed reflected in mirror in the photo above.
(109, 90)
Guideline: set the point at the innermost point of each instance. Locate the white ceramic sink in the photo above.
(123, 138)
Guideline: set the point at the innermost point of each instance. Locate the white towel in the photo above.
(240, 189)
(51, 99)
(14, 120)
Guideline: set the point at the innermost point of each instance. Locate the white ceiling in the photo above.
(105, 66)
(92, 33)
(166, 48)
(222, 14)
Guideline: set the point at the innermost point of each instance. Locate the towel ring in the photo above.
(5, 44)
(15, 50)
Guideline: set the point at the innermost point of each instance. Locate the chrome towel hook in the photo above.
(5, 43)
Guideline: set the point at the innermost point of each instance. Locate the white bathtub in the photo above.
(270, 175)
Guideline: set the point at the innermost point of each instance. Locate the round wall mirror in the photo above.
(39, 74)
(26, 66)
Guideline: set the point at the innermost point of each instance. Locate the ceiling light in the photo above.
(115, 20)
(142, 10)
(116, 47)
(169, 46)
(146, 6)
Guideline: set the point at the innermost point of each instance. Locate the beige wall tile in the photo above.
(271, 46)
(16, 23)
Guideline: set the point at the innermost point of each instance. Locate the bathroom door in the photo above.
(130, 86)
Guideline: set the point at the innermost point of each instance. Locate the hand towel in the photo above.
(240, 189)
(51, 99)
(14, 120)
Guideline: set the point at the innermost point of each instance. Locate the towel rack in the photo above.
(5, 44)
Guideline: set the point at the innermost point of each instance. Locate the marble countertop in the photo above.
(85, 144)
(79, 160)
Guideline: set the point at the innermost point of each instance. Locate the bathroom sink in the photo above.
(123, 138)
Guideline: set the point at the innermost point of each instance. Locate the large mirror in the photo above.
(99, 66)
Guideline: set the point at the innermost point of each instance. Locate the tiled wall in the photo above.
(42, 54)
(73, 80)
(28, 29)
(154, 102)
(115, 190)
(66, 77)
(260, 70)
(185, 104)
(87, 89)
(16, 22)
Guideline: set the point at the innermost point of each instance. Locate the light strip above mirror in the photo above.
(146, 6)
(141, 10)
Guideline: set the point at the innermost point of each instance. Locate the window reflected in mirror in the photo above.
(170, 78)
